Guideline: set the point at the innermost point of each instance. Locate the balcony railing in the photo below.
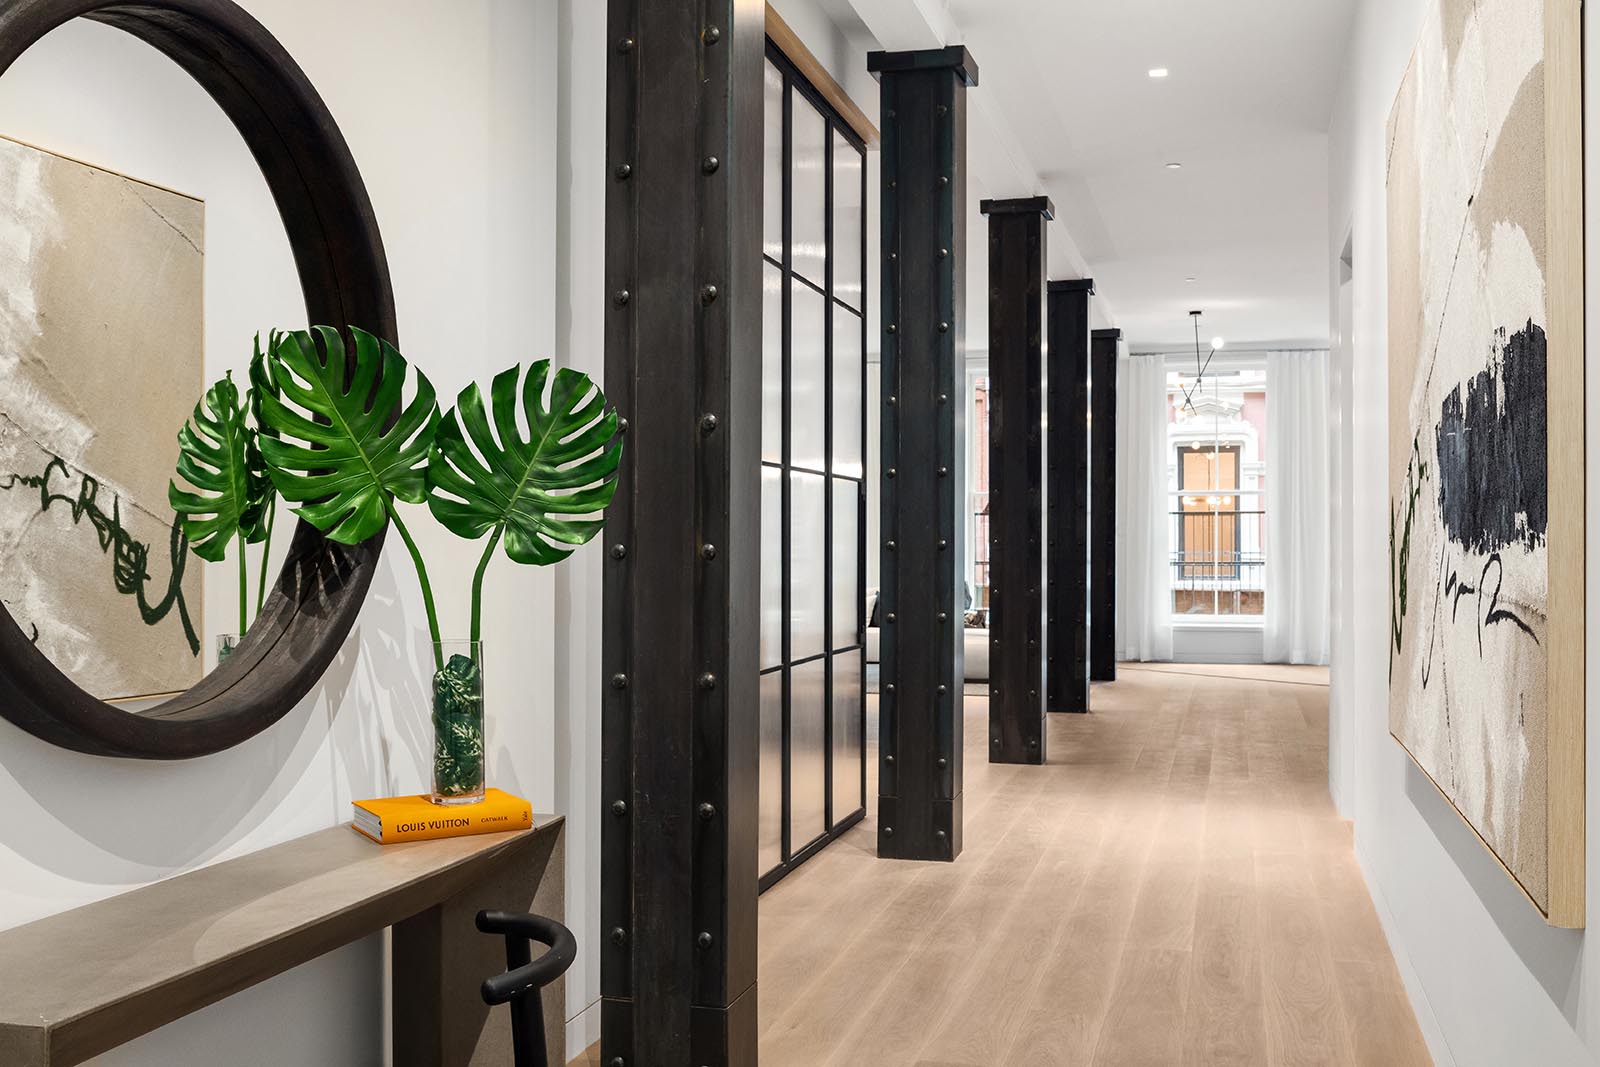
(1218, 555)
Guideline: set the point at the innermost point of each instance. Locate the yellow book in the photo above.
(392, 819)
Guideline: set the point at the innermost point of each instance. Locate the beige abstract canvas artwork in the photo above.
(1486, 431)
(101, 360)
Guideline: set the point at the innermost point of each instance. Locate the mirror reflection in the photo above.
(140, 251)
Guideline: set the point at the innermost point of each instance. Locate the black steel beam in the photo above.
(924, 123)
(1103, 505)
(1017, 490)
(681, 614)
(1067, 629)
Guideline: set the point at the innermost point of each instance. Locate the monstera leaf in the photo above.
(214, 457)
(360, 445)
(527, 489)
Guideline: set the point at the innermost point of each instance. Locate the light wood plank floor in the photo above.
(1173, 888)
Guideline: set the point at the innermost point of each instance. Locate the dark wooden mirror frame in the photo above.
(345, 278)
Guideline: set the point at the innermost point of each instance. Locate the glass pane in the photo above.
(846, 734)
(772, 168)
(808, 191)
(846, 392)
(807, 533)
(847, 594)
(769, 837)
(771, 363)
(771, 567)
(807, 377)
(846, 221)
(807, 753)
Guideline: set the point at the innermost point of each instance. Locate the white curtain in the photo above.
(1297, 508)
(1144, 549)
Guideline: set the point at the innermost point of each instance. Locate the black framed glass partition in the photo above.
(813, 500)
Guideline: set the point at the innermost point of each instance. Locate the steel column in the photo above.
(1067, 631)
(1103, 505)
(924, 124)
(1017, 491)
(683, 337)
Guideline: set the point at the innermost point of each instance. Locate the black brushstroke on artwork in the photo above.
(1491, 446)
(1496, 614)
(1400, 547)
(130, 557)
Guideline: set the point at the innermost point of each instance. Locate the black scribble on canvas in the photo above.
(1491, 446)
(1497, 614)
(1400, 546)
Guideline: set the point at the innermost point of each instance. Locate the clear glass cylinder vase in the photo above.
(458, 722)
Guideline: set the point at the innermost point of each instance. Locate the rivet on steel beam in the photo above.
(618, 551)
(944, 616)
(893, 256)
(939, 834)
(888, 472)
(708, 681)
(623, 170)
(710, 164)
(943, 544)
(707, 812)
(708, 293)
(890, 616)
(617, 1061)
(944, 398)
(708, 552)
(889, 113)
(619, 807)
(712, 35)
(622, 424)
(944, 253)
(943, 763)
(892, 183)
(892, 328)
(621, 297)
(618, 935)
(889, 545)
(994, 740)
(889, 688)
(888, 759)
(619, 681)
(944, 327)
(943, 690)
(942, 109)
(943, 471)
(708, 423)
(1033, 744)
(943, 181)
(625, 45)
(888, 831)
(893, 400)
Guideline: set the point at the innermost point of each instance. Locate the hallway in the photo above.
(1174, 887)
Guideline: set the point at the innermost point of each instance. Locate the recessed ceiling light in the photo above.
(1174, 166)
(1190, 278)
(1158, 72)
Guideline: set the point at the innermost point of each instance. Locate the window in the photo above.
(813, 424)
(1217, 485)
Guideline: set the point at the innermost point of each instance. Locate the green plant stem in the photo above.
(244, 586)
(266, 554)
(477, 587)
(422, 579)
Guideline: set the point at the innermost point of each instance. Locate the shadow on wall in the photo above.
(1552, 955)
(106, 824)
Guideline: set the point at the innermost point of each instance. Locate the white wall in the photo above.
(1491, 984)
(451, 111)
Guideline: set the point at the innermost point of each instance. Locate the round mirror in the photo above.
(139, 253)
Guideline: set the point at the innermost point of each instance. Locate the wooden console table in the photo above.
(76, 984)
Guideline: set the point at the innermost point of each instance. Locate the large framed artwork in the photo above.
(101, 358)
(1486, 431)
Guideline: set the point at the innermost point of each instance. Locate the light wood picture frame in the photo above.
(1486, 431)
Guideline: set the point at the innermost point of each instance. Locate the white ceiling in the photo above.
(1065, 101)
